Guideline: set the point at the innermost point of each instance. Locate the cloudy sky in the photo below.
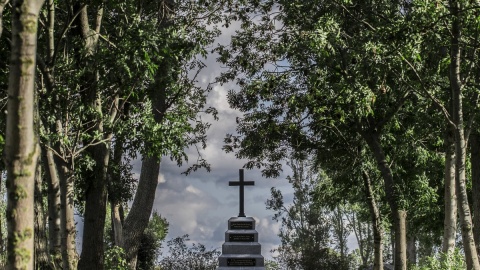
(201, 203)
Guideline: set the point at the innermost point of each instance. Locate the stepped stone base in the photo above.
(241, 260)
(241, 250)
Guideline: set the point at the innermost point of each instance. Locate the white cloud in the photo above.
(161, 178)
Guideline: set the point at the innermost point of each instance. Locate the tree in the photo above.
(456, 83)
(21, 146)
(328, 73)
(194, 257)
(306, 225)
(151, 242)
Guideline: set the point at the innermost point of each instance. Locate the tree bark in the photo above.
(398, 215)
(95, 211)
(412, 250)
(376, 223)
(475, 161)
(115, 200)
(139, 215)
(117, 224)
(450, 220)
(67, 222)
(41, 254)
(96, 192)
(460, 140)
(3, 3)
(2, 244)
(53, 207)
(21, 148)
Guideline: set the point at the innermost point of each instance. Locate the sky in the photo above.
(201, 203)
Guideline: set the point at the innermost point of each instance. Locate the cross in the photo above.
(241, 183)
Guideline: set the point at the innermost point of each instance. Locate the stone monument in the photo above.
(241, 249)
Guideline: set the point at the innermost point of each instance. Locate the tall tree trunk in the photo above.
(3, 3)
(376, 223)
(450, 220)
(53, 206)
(139, 215)
(21, 148)
(67, 222)
(115, 200)
(475, 160)
(460, 140)
(117, 224)
(41, 255)
(95, 211)
(96, 192)
(412, 250)
(2, 243)
(398, 215)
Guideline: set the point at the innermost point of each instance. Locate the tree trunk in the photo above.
(139, 215)
(3, 3)
(412, 250)
(41, 255)
(460, 140)
(115, 200)
(450, 220)
(67, 222)
(376, 223)
(475, 161)
(96, 191)
(398, 215)
(95, 211)
(2, 194)
(21, 148)
(117, 224)
(53, 207)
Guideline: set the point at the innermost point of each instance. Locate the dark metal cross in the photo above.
(241, 183)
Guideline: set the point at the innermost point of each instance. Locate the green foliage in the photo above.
(452, 261)
(115, 259)
(306, 225)
(194, 257)
(151, 242)
(272, 265)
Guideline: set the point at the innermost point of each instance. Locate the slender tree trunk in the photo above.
(2, 244)
(53, 206)
(398, 215)
(115, 200)
(67, 222)
(376, 223)
(95, 212)
(117, 224)
(3, 3)
(412, 250)
(460, 140)
(96, 192)
(475, 160)
(41, 255)
(450, 220)
(21, 148)
(139, 215)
